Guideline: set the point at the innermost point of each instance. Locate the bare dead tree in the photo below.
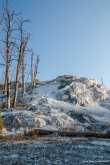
(19, 67)
(34, 68)
(23, 35)
(8, 30)
(18, 39)
(24, 38)
(23, 75)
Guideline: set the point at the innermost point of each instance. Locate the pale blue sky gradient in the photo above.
(71, 36)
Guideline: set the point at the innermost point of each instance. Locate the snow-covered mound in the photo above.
(67, 102)
(71, 89)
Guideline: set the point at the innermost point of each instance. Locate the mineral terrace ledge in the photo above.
(43, 132)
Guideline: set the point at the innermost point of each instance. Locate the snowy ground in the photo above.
(57, 151)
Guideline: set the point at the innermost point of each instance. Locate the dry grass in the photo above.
(21, 106)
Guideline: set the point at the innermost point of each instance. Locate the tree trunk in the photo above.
(32, 69)
(23, 77)
(8, 89)
(16, 85)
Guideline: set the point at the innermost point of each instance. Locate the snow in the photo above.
(67, 102)
(47, 90)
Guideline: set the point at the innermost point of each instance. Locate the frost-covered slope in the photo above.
(71, 89)
(67, 102)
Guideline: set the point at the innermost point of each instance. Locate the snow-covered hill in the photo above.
(67, 102)
(72, 89)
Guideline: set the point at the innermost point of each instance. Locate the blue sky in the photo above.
(71, 36)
